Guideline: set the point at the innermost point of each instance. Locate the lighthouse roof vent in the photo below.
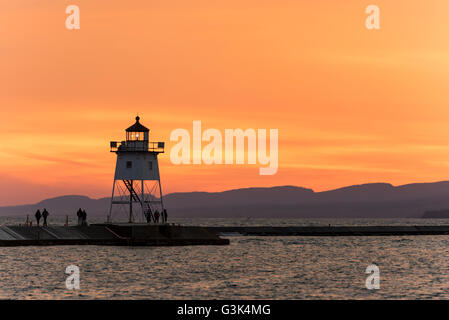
(137, 127)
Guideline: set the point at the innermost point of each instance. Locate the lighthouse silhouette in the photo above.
(136, 191)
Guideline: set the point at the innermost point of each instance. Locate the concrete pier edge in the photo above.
(176, 235)
(109, 235)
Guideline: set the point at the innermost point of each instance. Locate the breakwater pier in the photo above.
(331, 230)
(175, 235)
(109, 234)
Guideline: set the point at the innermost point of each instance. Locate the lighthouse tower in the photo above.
(136, 191)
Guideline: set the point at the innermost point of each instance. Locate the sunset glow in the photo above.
(351, 105)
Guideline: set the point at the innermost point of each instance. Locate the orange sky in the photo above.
(351, 105)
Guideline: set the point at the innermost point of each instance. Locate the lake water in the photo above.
(411, 267)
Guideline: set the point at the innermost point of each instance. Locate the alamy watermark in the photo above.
(373, 20)
(373, 280)
(213, 152)
(73, 20)
(73, 280)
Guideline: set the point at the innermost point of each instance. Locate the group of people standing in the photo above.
(82, 217)
(157, 215)
(40, 215)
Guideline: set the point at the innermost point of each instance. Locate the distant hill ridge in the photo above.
(372, 200)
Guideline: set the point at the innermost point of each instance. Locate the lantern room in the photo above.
(137, 140)
(137, 132)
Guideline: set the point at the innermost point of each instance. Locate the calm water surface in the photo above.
(415, 267)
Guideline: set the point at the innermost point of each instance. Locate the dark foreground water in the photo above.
(414, 267)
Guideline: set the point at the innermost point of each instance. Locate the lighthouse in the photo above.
(136, 191)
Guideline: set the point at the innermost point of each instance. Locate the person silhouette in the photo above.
(164, 215)
(45, 215)
(38, 216)
(156, 216)
(148, 216)
(79, 214)
(84, 218)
